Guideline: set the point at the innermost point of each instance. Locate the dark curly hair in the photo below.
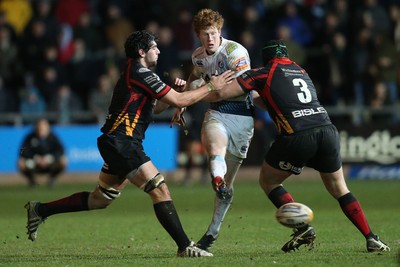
(274, 49)
(138, 40)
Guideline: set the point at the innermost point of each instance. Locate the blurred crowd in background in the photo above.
(64, 56)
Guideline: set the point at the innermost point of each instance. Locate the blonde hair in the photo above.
(207, 18)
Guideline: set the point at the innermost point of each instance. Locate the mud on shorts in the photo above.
(238, 129)
(121, 154)
(318, 148)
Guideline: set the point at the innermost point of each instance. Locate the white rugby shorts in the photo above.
(239, 130)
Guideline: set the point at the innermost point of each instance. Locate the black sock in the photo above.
(73, 203)
(352, 209)
(280, 196)
(169, 219)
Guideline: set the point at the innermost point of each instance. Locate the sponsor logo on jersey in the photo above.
(231, 47)
(154, 80)
(241, 63)
(290, 72)
(160, 88)
(308, 112)
(287, 166)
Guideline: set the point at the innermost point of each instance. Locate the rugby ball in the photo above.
(294, 215)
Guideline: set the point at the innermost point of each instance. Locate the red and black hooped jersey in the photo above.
(133, 100)
(289, 94)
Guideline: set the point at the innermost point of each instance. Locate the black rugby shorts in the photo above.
(318, 148)
(121, 153)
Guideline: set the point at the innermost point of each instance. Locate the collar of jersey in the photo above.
(282, 60)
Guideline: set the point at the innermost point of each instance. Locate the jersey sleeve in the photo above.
(246, 81)
(196, 71)
(238, 58)
(151, 83)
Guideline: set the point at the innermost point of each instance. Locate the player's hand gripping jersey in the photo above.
(229, 56)
(133, 101)
(289, 94)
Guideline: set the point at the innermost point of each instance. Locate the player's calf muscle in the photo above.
(97, 200)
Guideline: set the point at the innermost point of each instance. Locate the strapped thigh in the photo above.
(153, 183)
(108, 192)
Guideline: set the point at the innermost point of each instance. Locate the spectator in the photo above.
(10, 65)
(43, 12)
(35, 38)
(331, 61)
(113, 72)
(384, 68)
(285, 33)
(375, 17)
(69, 11)
(153, 26)
(64, 103)
(18, 13)
(42, 152)
(249, 40)
(361, 59)
(82, 72)
(327, 33)
(32, 103)
(395, 16)
(301, 32)
(182, 30)
(5, 23)
(49, 61)
(89, 33)
(116, 29)
(168, 59)
(100, 98)
(8, 101)
(50, 80)
(65, 44)
(195, 152)
(253, 21)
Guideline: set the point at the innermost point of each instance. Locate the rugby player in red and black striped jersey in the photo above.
(138, 93)
(306, 138)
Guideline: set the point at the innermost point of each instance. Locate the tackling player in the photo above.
(228, 125)
(130, 113)
(306, 138)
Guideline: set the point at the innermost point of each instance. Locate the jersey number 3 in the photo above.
(305, 95)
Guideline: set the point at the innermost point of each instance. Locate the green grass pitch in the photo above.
(127, 233)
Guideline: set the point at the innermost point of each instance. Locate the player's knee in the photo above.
(153, 183)
(266, 186)
(230, 157)
(103, 196)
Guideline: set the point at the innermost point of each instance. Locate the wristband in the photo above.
(210, 87)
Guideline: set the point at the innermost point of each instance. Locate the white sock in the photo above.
(221, 207)
(217, 166)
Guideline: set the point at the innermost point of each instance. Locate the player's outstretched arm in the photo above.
(226, 91)
(188, 98)
(179, 86)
